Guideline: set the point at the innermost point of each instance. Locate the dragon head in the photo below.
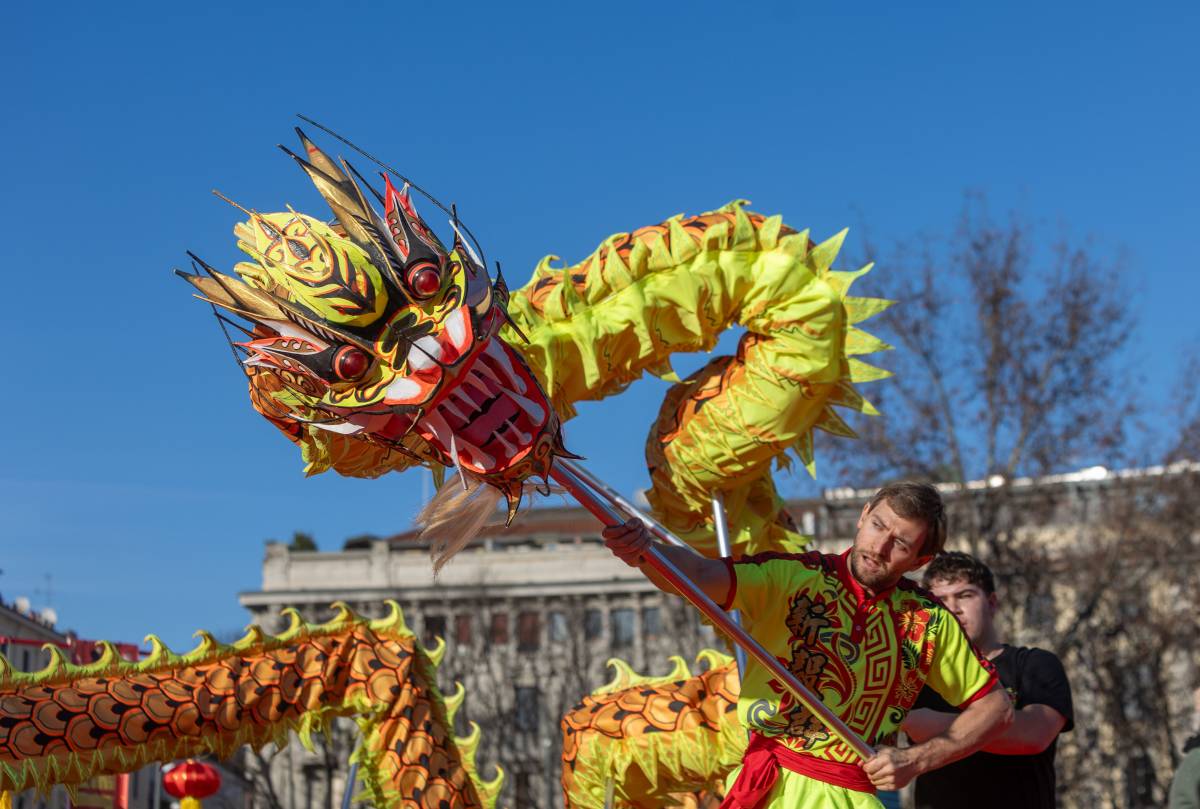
(369, 328)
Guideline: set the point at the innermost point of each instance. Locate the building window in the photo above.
(556, 626)
(622, 627)
(499, 634)
(435, 627)
(593, 623)
(525, 709)
(651, 621)
(528, 632)
(462, 629)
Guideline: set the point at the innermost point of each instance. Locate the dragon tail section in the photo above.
(654, 738)
(69, 723)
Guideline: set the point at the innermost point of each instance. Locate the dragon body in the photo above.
(375, 348)
(655, 739)
(67, 723)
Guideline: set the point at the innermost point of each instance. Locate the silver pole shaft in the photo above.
(351, 777)
(613, 496)
(721, 524)
(684, 586)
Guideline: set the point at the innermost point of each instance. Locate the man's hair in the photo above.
(917, 501)
(955, 566)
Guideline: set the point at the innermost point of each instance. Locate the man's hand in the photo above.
(892, 768)
(628, 541)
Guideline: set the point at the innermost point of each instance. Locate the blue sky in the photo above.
(134, 472)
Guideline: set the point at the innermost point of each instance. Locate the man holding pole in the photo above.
(860, 636)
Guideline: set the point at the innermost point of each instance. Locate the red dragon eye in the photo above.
(424, 280)
(350, 363)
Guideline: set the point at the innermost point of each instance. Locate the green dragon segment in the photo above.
(69, 723)
(597, 326)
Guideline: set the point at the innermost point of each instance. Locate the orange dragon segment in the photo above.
(654, 738)
(67, 724)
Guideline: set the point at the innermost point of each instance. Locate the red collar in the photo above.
(861, 599)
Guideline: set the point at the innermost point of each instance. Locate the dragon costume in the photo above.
(375, 348)
(68, 723)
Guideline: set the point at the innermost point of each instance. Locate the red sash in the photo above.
(760, 771)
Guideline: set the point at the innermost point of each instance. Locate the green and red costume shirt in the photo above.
(866, 657)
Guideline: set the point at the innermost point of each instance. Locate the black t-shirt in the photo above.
(984, 780)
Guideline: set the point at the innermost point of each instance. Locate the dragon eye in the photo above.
(424, 280)
(350, 363)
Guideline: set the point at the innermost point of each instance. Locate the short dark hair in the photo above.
(917, 501)
(958, 566)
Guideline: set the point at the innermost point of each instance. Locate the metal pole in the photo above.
(684, 586)
(721, 524)
(350, 779)
(654, 526)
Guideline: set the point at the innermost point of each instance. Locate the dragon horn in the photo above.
(500, 292)
(232, 294)
(320, 160)
(462, 246)
(235, 295)
(406, 225)
(345, 199)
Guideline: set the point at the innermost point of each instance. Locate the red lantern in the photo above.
(192, 781)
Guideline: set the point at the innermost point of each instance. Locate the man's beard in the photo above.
(875, 577)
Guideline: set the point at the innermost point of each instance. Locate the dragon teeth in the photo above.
(508, 447)
(424, 353)
(457, 461)
(436, 424)
(449, 405)
(456, 328)
(402, 389)
(532, 409)
(476, 456)
(343, 427)
(480, 385)
(462, 393)
(483, 368)
(497, 353)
